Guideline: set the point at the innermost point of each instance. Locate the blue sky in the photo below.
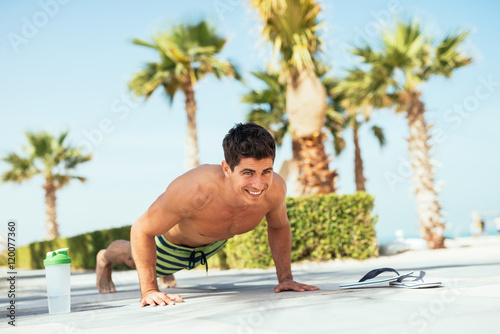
(66, 64)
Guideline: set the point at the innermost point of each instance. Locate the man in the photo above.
(200, 210)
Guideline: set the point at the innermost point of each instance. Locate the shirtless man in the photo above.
(199, 211)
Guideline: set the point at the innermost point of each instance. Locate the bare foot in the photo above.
(103, 273)
(167, 282)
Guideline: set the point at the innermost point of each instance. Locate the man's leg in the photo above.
(119, 252)
(167, 282)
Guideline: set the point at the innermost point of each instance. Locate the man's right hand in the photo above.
(154, 298)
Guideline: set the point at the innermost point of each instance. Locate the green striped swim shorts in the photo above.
(171, 258)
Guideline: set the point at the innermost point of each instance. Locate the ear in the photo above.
(225, 167)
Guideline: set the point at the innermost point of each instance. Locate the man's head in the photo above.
(248, 140)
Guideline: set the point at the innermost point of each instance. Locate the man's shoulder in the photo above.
(280, 183)
(207, 169)
(204, 177)
(196, 187)
(202, 173)
(277, 194)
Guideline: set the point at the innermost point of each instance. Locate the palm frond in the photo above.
(405, 59)
(378, 132)
(292, 28)
(137, 41)
(448, 56)
(21, 168)
(53, 153)
(171, 87)
(187, 53)
(60, 180)
(268, 105)
(73, 158)
(80, 178)
(146, 81)
(367, 54)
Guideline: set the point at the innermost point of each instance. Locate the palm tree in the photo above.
(187, 54)
(291, 26)
(269, 111)
(52, 158)
(354, 122)
(269, 105)
(355, 95)
(409, 58)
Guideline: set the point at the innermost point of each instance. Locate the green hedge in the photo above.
(83, 248)
(323, 227)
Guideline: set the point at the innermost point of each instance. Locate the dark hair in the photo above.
(248, 140)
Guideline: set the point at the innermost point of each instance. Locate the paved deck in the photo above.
(243, 301)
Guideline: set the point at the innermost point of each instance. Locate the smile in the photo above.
(254, 193)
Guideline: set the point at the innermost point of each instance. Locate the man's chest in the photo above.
(225, 223)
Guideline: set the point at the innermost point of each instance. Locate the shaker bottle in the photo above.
(57, 272)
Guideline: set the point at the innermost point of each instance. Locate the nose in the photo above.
(257, 182)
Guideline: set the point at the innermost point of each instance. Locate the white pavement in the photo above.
(243, 301)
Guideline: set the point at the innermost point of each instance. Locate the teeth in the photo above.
(251, 192)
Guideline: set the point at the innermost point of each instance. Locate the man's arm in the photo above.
(279, 235)
(280, 241)
(161, 216)
(142, 238)
(144, 255)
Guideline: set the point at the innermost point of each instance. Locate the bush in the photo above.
(83, 248)
(3, 259)
(322, 226)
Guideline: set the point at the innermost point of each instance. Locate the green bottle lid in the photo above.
(59, 256)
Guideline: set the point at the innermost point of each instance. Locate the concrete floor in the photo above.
(243, 301)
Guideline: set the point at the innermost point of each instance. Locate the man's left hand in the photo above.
(291, 285)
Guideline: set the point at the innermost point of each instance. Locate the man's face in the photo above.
(251, 178)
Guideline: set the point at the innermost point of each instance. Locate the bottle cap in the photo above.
(59, 256)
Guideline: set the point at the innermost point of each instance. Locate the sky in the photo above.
(65, 65)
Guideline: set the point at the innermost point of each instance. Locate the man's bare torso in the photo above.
(215, 217)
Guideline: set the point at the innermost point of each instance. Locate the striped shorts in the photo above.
(171, 258)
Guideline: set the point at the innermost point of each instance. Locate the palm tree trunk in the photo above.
(192, 133)
(314, 175)
(428, 207)
(358, 162)
(50, 210)
(306, 108)
(295, 186)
